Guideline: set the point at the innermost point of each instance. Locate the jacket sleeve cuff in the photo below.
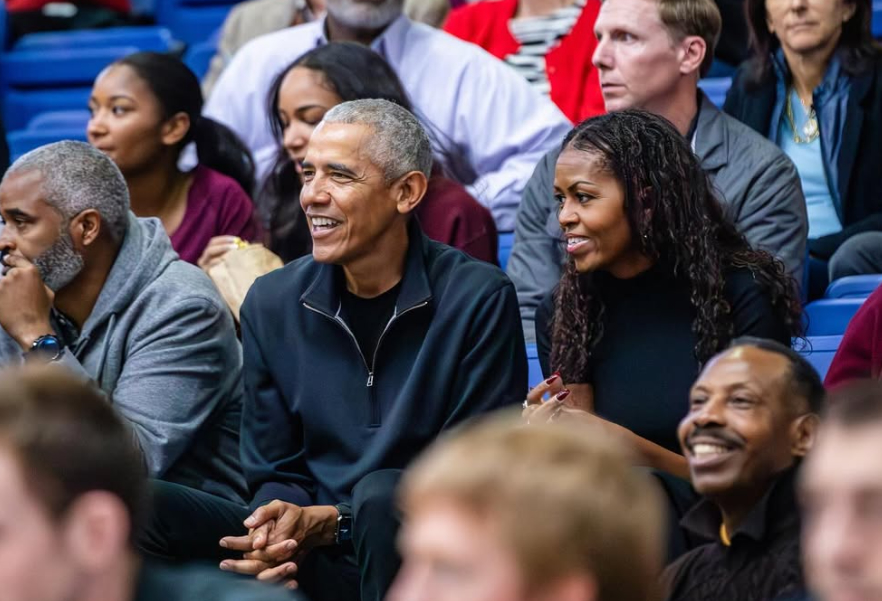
(290, 493)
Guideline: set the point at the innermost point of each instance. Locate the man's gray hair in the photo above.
(76, 177)
(399, 143)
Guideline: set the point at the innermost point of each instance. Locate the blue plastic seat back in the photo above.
(69, 119)
(534, 369)
(198, 57)
(25, 140)
(506, 241)
(854, 286)
(154, 38)
(716, 88)
(22, 106)
(819, 351)
(55, 68)
(830, 317)
(193, 24)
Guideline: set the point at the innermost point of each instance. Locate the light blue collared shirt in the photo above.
(489, 114)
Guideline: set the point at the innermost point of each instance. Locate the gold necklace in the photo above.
(810, 129)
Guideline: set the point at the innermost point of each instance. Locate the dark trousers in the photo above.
(187, 524)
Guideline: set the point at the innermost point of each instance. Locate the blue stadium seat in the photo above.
(22, 141)
(506, 241)
(36, 81)
(22, 106)
(854, 286)
(193, 21)
(157, 39)
(535, 370)
(716, 88)
(198, 57)
(830, 317)
(819, 351)
(72, 119)
(877, 19)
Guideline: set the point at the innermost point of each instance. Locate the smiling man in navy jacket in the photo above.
(360, 355)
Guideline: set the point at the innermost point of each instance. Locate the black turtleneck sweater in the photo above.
(644, 365)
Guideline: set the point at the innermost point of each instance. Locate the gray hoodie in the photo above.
(161, 343)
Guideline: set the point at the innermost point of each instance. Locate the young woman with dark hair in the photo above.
(814, 87)
(298, 99)
(145, 109)
(658, 281)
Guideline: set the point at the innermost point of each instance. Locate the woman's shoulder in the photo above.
(208, 182)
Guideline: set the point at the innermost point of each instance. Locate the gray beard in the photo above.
(60, 263)
(364, 16)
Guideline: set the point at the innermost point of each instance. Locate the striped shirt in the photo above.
(537, 36)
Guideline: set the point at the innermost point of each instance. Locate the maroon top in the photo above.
(449, 214)
(216, 206)
(860, 352)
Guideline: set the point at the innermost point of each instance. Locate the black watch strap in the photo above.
(344, 523)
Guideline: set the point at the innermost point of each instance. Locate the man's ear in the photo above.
(85, 228)
(174, 130)
(97, 530)
(804, 430)
(410, 190)
(693, 49)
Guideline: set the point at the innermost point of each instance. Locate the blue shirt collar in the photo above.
(835, 79)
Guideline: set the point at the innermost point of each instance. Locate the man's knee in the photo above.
(374, 495)
(860, 254)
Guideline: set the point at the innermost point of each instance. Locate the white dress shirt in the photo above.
(489, 115)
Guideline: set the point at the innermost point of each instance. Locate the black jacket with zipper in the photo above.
(318, 418)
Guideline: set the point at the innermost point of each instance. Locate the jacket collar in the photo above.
(711, 136)
(323, 293)
(851, 131)
(775, 513)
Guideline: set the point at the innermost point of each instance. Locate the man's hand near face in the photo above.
(280, 535)
(25, 301)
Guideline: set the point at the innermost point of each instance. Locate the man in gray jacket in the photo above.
(650, 55)
(88, 285)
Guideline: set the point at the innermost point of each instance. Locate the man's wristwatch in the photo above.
(344, 524)
(46, 348)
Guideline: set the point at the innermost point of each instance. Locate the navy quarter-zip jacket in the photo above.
(318, 417)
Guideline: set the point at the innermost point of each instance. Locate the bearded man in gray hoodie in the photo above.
(88, 285)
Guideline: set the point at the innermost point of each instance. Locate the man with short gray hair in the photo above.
(88, 285)
(356, 358)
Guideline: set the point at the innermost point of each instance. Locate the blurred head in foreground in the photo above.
(72, 486)
(497, 512)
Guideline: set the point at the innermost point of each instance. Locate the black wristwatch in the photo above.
(45, 348)
(344, 524)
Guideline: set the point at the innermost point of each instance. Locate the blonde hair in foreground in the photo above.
(565, 498)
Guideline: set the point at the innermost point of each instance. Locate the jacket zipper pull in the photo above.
(370, 381)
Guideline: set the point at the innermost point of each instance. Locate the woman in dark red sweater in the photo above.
(549, 41)
(298, 99)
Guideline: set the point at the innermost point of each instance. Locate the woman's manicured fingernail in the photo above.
(562, 395)
(553, 377)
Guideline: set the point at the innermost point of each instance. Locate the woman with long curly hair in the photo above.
(657, 282)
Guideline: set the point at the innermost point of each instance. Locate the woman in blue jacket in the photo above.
(814, 87)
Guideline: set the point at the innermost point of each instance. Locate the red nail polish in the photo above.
(553, 377)
(562, 395)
